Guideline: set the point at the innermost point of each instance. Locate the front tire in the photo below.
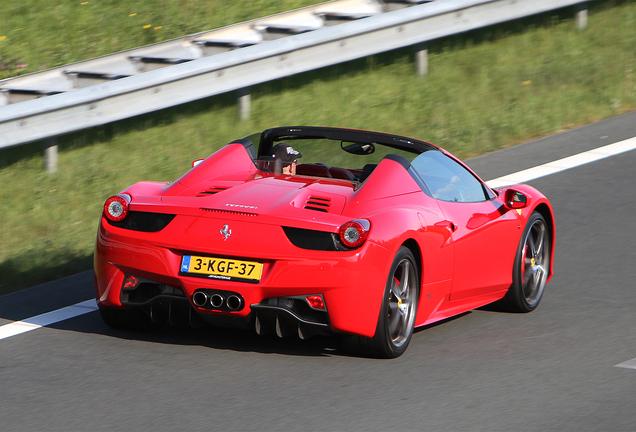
(397, 314)
(531, 268)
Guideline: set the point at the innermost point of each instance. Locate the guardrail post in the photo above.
(580, 15)
(244, 98)
(421, 58)
(50, 155)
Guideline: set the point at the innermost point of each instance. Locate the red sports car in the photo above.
(317, 230)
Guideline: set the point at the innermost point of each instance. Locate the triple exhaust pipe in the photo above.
(218, 301)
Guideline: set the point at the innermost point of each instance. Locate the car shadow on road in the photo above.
(218, 338)
(441, 322)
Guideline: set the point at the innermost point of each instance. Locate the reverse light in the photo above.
(354, 233)
(315, 302)
(116, 207)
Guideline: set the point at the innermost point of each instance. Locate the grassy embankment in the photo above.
(485, 90)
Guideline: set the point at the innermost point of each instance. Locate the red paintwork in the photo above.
(461, 270)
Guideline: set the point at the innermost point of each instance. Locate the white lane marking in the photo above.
(33, 323)
(55, 316)
(629, 364)
(565, 163)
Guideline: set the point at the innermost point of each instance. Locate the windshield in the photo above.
(329, 152)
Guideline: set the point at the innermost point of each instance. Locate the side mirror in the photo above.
(196, 162)
(515, 199)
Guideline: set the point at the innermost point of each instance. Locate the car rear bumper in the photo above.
(350, 282)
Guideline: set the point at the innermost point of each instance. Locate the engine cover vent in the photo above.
(211, 191)
(318, 204)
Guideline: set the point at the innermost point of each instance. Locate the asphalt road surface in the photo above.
(555, 369)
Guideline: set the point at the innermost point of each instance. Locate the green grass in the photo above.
(485, 90)
(39, 34)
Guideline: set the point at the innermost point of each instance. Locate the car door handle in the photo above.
(446, 224)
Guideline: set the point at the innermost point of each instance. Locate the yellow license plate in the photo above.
(221, 268)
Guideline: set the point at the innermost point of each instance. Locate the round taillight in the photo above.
(354, 233)
(116, 207)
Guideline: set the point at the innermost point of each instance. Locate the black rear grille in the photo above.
(232, 212)
(147, 291)
(314, 240)
(318, 204)
(144, 221)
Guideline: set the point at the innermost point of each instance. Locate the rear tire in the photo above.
(531, 267)
(397, 314)
(127, 319)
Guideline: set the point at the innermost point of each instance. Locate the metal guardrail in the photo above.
(187, 48)
(254, 63)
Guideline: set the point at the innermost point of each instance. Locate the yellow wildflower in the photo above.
(84, 3)
(2, 38)
(157, 28)
(527, 82)
(132, 14)
(147, 26)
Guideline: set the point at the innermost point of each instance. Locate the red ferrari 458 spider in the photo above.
(317, 230)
